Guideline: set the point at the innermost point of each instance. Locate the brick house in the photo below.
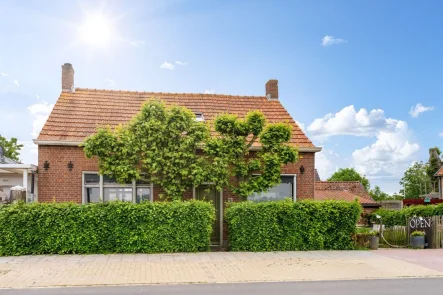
(65, 174)
(346, 191)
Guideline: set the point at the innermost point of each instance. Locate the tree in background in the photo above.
(415, 181)
(159, 143)
(234, 165)
(434, 163)
(378, 195)
(349, 174)
(11, 148)
(397, 196)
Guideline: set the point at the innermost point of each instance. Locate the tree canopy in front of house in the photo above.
(235, 166)
(11, 147)
(161, 143)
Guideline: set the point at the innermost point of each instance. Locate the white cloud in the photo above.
(209, 91)
(110, 82)
(16, 83)
(349, 122)
(29, 153)
(324, 165)
(389, 155)
(386, 158)
(330, 40)
(441, 134)
(39, 113)
(37, 96)
(137, 43)
(4, 75)
(167, 65)
(181, 63)
(418, 109)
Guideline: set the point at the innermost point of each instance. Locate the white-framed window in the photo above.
(285, 189)
(101, 188)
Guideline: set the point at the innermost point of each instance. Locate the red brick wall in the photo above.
(58, 183)
(305, 181)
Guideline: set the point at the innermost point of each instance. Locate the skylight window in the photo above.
(199, 117)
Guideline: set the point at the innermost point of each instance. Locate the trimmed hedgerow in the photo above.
(116, 227)
(288, 226)
(399, 217)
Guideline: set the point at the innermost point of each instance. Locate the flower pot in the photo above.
(373, 242)
(418, 242)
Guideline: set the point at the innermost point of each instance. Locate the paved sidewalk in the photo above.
(216, 267)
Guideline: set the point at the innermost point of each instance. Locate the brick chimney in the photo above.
(272, 89)
(67, 78)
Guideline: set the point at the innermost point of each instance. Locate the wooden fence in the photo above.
(437, 237)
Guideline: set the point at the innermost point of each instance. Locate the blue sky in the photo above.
(363, 78)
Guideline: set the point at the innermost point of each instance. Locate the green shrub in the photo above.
(286, 226)
(418, 233)
(373, 233)
(399, 217)
(363, 230)
(115, 227)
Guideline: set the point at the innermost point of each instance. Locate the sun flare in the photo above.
(95, 30)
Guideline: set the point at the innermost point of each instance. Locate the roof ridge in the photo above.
(165, 93)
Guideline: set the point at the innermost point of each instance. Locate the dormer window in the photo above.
(199, 117)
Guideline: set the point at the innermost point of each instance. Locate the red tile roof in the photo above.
(439, 172)
(77, 115)
(342, 191)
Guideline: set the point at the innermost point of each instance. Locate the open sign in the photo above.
(422, 224)
(417, 223)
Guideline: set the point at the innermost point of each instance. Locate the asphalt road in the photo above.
(367, 287)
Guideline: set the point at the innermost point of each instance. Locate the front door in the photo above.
(208, 193)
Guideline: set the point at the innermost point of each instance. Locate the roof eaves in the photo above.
(439, 172)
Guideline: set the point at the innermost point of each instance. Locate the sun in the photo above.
(95, 30)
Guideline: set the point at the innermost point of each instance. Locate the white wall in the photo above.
(9, 180)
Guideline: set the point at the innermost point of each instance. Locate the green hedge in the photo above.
(398, 217)
(115, 227)
(286, 226)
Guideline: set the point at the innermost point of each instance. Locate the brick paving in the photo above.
(211, 267)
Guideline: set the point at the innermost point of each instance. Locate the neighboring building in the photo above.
(345, 191)
(392, 204)
(13, 173)
(65, 173)
(439, 174)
